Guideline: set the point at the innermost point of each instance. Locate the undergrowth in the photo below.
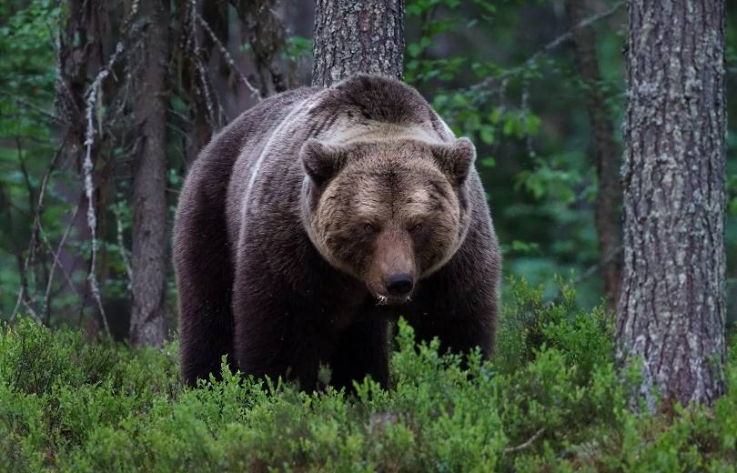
(550, 400)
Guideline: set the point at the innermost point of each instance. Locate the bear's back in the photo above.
(247, 137)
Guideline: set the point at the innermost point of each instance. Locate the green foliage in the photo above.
(532, 324)
(482, 63)
(550, 178)
(27, 80)
(550, 399)
(298, 48)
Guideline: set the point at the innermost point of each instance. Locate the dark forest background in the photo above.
(76, 79)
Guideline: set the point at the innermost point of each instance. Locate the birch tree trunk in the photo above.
(354, 36)
(149, 180)
(672, 305)
(608, 220)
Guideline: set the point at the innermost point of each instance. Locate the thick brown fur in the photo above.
(294, 218)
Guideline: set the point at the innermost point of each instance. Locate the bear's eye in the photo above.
(369, 228)
(416, 227)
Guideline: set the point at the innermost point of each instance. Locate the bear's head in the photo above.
(387, 212)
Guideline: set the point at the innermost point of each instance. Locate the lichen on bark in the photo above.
(353, 36)
(672, 305)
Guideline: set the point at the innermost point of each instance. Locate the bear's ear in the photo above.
(455, 160)
(321, 160)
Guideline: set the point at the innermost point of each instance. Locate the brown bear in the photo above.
(316, 217)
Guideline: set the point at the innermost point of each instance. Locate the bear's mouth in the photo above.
(383, 297)
(390, 300)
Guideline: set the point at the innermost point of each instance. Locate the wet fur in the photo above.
(252, 282)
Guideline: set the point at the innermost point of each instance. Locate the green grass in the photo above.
(550, 400)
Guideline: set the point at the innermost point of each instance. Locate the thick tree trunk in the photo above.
(149, 180)
(672, 304)
(354, 36)
(609, 196)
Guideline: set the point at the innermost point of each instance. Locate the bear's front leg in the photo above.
(362, 350)
(276, 338)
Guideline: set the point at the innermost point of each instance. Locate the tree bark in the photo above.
(149, 180)
(672, 305)
(353, 36)
(609, 196)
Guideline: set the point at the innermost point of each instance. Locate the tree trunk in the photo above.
(672, 305)
(353, 36)
(149, 180)
(609, 196)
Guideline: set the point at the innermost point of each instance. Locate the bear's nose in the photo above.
(399, 284)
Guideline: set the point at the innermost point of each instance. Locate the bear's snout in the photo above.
(399, 284)
(392, 276)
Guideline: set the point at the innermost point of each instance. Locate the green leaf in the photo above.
(414, 49)
(488, 162)
(487, 134)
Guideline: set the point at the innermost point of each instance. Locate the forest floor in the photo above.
(550, 400)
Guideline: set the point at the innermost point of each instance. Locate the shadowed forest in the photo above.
(609, 166)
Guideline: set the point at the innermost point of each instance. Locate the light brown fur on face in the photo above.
(390, 211)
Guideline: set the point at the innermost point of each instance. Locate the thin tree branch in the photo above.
(22, 293)
(50, 116)
(266, 36)
(228, 58)
(567, 36)
(55, 262)
(527, 444)
(198, 64)
(608, 258)
(26, 176)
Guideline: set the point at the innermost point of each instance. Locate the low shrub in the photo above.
(551, 399)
